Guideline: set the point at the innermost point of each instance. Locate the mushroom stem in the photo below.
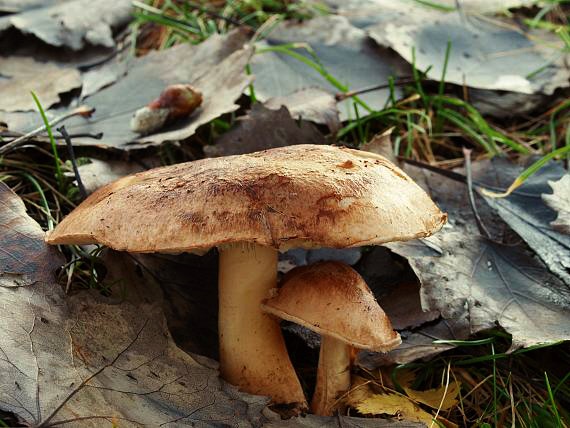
(253, 355)
(333, 375)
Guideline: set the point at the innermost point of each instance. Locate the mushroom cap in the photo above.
(298, 196)
(332, 299)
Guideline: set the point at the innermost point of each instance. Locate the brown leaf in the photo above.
(89, 359)
(264, 129)
(394, 405)
(559, 201)
(26, 75)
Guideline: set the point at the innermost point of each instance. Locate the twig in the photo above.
(482, 229)
(79, 111)
(400, 82)
(71, 152)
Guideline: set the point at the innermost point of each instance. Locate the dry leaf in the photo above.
(26, 75)
(443, 398)
(559, 201)
(485, 283)
(90, 360)
(215, 67)
(344, 50)
(264, 129)
(381, 144)
(394, 405)
(525, 211)
(73, 23)
(311, 104)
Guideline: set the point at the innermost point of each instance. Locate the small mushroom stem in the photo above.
(333, 375)
(253, 355)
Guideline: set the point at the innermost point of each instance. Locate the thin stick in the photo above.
(79, 111)
(480, 225)
(344, 95)
(71, 152)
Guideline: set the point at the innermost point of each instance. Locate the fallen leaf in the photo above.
(73, 23)
(215, 67)
(394, 404)
(525, 211)
(559, 201)
(88, 359)
(24, 257)
(345, 51)
(444, 397)
(483, 54)
(381, 144)
(311, 104)
(12, 6)
(312, 421)
(485, 282)
(263, 129)
(25, 75)
(97, 172)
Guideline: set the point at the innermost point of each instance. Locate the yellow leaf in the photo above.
(436, 398)
(393, 404)
(432, 397)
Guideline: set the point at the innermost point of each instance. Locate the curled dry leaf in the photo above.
(25, 75)
(88, 359)
(72, 23)
(559, 201)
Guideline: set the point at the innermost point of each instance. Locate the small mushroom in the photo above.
(250, 207)
(333, 300)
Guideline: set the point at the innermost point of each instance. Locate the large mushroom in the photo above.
(333, 300)
(250, 207)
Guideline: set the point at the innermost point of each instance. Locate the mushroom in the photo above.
(333, 300)
(250, 207)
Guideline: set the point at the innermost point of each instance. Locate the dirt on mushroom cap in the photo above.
(298, 196)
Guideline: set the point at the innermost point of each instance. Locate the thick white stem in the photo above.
(333, 376)
(253, 355)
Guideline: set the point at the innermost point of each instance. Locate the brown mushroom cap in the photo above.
(297, 196)
(333, 300)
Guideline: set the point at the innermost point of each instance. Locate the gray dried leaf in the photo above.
(345, 51)
(73, 23)
(526, 213)
(312, 104)
(13, 6)
(88, 359)
(25, 75)
(485, 282)
(559, 201)
(263, 129)
(215, 67)
(484, 54)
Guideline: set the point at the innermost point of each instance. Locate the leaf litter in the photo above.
(559, 201)
(87, 358)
